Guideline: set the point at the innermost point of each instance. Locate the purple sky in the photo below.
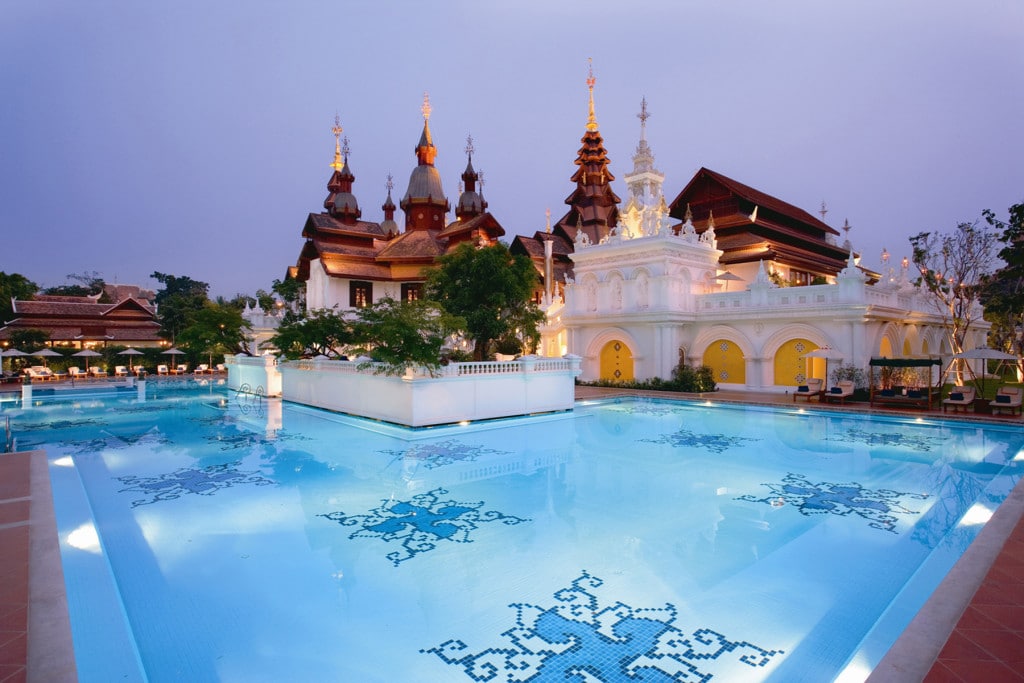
(193, 137)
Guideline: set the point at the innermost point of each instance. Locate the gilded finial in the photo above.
(469, 147)
(337, 165)
(480, 177)
(426, 106)
(547, 221)
(390, 184)
(823, 210)
(591, 119)
(345, 148)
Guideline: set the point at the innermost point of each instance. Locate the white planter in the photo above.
(464, 391)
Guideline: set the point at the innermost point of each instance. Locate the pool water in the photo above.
(208, 536)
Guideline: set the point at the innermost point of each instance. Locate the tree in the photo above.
(399, 334)
(322, 333)
(490, 289)
(14, 286)
(1002, 293)
(952, 267)
(178, 302)
(28, 338)
(291, 291)
(216, 328)
(88, 284)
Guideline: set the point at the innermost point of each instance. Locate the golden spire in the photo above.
(591, 119)
(547, 220)
(426, 106)
(338, 164)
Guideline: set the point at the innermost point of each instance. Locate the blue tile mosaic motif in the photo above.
(917, 442)
(419, 524)
(230, 442)
(443, 453)
(716, 443)
(58, 424)
(878, 506)
(201, 482)
(655, 409)
(579, 639)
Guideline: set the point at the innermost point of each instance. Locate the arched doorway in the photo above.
(616, 362)
(791, 363)
(725, 358)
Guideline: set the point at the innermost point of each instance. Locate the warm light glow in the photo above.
(85, 538)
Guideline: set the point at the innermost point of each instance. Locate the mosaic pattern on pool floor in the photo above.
(578, 638)
(878, 506)
(202, 482)
(419, 524)
(441, 453)
(715, 443)
(915, 442)
(231, 442)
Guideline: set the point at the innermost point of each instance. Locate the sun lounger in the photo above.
(180, 369)
(810, 390)
(959, 397)
(139, 370)
(77, 373)
(162, 370)
(220, 368)
(842, 391)
(39, 373)
(98, 372)
(203, 369)
(120, 371)
(1007, 398)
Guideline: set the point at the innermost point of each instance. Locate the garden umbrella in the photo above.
(726, 277)
(174, 352)
(87, 354)
(828, 353)
(130, 352)
(12, 353)
(982, 354)
(47, 353)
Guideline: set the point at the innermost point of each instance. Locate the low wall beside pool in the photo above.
(458, 392)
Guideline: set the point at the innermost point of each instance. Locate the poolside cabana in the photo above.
(891, 385)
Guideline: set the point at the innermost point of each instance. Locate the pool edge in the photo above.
(51, 653)
(914, 653)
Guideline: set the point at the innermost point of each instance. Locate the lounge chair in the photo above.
(810, 390)
(139, 370)
(120, 371)
(98, 372)
(842, 391)
(77, 373)
(1007, 398)
(203, 369)
(40, 373)
(959, 397)
(162, 370)
(221, 368)
(181, 369)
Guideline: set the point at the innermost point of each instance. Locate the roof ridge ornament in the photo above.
(425, 107)
(591, 119)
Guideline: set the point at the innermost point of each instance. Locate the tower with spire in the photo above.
(340, 202)
(645, 212)
(471, 203)
(593, 206)
(424, 202)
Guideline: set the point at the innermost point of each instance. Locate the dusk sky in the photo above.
(193, 137)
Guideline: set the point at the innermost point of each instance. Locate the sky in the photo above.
(193, 138)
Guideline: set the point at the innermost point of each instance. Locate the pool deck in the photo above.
(971, 629)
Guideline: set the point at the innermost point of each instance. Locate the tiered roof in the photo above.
(84, 319)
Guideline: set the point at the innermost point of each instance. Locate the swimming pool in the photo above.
(209, 536)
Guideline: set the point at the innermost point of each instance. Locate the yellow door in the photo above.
(616, 362)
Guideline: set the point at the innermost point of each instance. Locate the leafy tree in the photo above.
(952, 267)
(14, 286)
(28, 338)
(398, 334)
(178, 302)
(216, 328)
(490, 289)
(87, 284)
(322, 333)
(1002, 293)
(291, 291)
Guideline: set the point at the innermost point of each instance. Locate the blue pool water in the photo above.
(214, 537)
